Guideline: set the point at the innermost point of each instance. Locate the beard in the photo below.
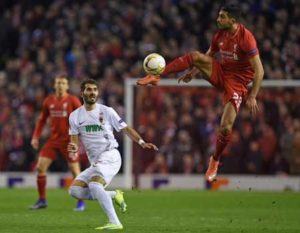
(90, 99)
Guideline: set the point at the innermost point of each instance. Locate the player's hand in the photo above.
(72, 147)
(148, 145)
(252, 105)
(73, 150)
(35, 143)
(186, 77)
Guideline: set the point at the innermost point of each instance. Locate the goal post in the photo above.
(130, 85)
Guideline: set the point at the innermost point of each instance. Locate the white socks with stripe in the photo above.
(104, 198)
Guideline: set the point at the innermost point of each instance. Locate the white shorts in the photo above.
(106, 167)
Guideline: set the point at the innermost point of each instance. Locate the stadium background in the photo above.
(107, 41)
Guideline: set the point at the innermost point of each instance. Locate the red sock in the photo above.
(222, 141)
(41, 184)
(179, 64)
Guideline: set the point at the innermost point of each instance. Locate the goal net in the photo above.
(181, 119)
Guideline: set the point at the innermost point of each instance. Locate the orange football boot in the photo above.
(212, 169)
(149, 79)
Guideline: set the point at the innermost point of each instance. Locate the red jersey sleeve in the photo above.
(249, 45)
(41, 120)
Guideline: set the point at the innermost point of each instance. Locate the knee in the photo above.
(41, 169)
(95, 185)
(75, 191)
(226, 129)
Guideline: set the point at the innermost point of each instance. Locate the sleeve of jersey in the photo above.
(73, 130)
(249, 45)
(117, 122)
(41, 121)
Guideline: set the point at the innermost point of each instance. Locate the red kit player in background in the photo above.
(57, 107)
(230, 64)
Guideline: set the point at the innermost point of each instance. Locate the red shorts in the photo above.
(234, 91)
(52, 149)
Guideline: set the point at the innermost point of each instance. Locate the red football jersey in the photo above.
(58, 109)
(234, 52)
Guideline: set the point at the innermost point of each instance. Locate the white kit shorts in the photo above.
(107, 167)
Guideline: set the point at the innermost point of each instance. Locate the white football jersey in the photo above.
(95, 129)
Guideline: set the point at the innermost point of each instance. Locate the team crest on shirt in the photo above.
(101, 118)
(65, 105)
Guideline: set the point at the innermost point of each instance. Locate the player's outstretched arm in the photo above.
(134, 135)
(258, 77)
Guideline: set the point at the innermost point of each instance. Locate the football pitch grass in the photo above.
(156, 211)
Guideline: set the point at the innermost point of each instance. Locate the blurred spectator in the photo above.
(158, 165)
(295, 155)
(253, 159)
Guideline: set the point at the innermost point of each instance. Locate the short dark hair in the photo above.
(233, 10)
(87, 81)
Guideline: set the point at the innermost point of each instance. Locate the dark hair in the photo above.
(233, 10)
(87, 81)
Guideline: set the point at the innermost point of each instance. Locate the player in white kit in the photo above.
(94, 124)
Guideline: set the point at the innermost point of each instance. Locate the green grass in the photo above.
(157, 211)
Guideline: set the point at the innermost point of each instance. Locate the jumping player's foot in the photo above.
(80, 206)
(119, 199)
(110, 226)
(212, 169)
(40, 204)
(149, 79)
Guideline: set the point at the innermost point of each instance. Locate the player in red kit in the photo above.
(230, 64)
(57, 108)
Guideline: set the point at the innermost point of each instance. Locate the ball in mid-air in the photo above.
(154, 64)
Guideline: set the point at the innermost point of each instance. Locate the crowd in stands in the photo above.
(184, 121)
(107, 40)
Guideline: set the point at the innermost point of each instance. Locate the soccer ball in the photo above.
(154, 64)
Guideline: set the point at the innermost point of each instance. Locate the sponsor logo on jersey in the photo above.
(80, 123)
(93, 128)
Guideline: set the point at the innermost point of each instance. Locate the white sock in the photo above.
(98, 193)
(112, 194)
(80, 193)
(85, 194)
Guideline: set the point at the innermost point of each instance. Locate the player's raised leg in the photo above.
(223, 138)
(96, 187)
(79, 189)
(203, 62)
(42, 167)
